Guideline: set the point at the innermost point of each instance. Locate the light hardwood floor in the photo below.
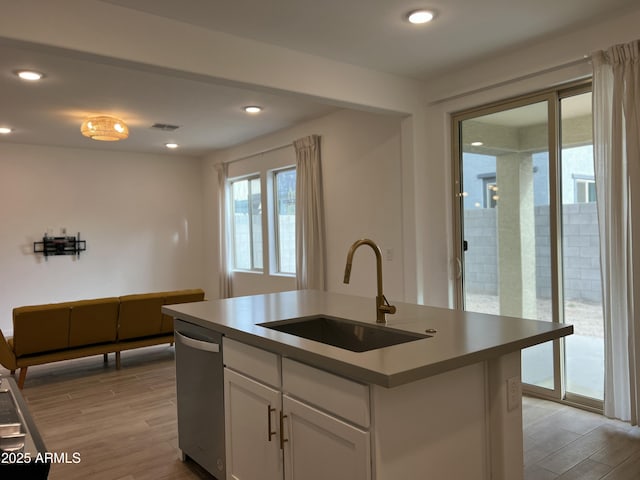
(564, 443)
(123, 424)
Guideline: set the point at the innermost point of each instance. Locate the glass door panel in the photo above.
(505, 180)
(584, 350)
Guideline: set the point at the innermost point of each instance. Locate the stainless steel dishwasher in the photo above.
(199, 386)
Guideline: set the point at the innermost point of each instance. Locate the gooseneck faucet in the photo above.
(382, 305)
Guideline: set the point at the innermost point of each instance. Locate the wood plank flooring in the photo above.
(123, 424)
(564, 443)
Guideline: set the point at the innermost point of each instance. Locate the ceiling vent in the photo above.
(165, 127)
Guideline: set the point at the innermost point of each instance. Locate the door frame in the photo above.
(552, 96)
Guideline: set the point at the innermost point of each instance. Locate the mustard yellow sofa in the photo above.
(63, 331)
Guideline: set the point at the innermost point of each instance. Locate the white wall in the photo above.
(140, 214)
(188, 50)
(361, 168)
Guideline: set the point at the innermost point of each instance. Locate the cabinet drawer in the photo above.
(337, 395)
(253, 362)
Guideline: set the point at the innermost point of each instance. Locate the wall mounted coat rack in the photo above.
(68, 245)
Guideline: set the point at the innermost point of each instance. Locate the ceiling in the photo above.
(209, 115)
(374, 33)
(368, 33)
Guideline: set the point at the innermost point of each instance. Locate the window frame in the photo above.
(261, 165)
(275, 223)
(252, 268)
(587, 181)
(489, 187)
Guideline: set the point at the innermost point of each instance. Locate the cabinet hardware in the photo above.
(197, 344)
(282, 439)
(270, 433)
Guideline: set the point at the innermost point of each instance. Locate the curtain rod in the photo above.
(262, 152)
(585, 59)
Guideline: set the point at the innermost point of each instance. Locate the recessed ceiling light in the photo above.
(476, 144)
(5, 130)
(29, 75)
(171, 145)
(420, 16)
(252, 109)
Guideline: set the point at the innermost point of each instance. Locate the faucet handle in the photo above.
(387, 307)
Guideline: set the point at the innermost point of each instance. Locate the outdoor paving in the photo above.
(584, 350)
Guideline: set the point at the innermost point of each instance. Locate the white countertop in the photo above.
(462, 338)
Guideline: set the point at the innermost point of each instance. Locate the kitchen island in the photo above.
(446, 404)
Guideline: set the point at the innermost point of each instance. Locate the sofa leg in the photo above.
(105, 357)
(23, 376)
(117, 360)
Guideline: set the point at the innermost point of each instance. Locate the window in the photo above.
(285, 214)
(490, 192)
(246, 223)
(585, 190)
(262, 218)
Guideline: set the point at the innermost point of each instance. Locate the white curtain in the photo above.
(310, 240)
(616, 110)
(223, 230)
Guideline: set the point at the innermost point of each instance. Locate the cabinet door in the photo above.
(251, 421)
(320, 446)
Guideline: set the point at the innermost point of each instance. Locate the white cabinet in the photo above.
(286, 429)
(320, 446)
(251, 416)
(324, 426)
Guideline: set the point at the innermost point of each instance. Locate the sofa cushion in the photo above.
(178, 296)
(40, 328)
(140, 315)
(93, 321)
(66, 354)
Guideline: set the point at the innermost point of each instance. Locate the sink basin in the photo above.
(347, 334)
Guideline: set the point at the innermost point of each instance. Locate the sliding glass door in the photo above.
(582, 292)
(526, 233)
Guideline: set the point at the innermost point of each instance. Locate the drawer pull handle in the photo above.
(197, 344)
(282, 439)
(269, 411)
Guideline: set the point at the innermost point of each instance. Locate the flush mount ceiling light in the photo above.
(171, 145)
(252, 109)
(419, 17)
(29, 75)
(5, 130)
(476, 144)
(105, 128)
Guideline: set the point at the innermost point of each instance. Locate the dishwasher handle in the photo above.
(198, 344)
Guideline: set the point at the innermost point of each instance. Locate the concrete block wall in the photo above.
(580, 252)
(581, 247)
(481, 258)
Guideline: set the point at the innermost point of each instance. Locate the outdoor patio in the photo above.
(584, 350)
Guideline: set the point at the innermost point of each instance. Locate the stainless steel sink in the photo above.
(341, 333)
